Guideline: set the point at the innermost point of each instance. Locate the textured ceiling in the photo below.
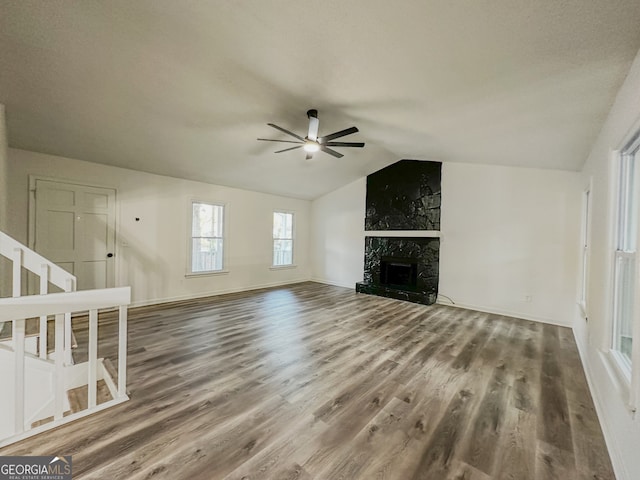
(184, 88)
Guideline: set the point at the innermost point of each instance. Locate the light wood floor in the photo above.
(318, 382)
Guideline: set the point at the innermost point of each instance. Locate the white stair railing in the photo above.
(60, 306)
(47, 272)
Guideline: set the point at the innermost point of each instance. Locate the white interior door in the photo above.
(75, 228)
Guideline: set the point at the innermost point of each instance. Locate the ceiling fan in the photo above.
(312, 143)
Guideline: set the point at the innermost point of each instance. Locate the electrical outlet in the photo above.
(528, 298)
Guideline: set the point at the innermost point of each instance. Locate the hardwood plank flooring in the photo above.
(313, 382)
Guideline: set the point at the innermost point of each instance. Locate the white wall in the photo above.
(5, 273)
(155, 261)
(621, 430)
(509, 240)
(337, 240)
(4, 181)
(507, 234)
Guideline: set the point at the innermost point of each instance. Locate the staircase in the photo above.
(46, 387)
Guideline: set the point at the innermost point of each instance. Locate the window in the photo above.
(282, 239)
(625, 258)
(207, 237)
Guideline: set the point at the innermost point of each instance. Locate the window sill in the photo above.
(282, 267)
(206, 274)
(618, 376)
(622, 366)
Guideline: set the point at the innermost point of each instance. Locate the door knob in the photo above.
(109, 255)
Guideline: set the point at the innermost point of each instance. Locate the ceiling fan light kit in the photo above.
(311, 147)
(312, 143)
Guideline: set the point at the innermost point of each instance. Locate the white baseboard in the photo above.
(477, 308)
(179, 298)
(506, 313)
(335, 284)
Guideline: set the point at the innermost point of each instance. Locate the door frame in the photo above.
(31, 220)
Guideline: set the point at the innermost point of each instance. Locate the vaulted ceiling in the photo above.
(184, 88)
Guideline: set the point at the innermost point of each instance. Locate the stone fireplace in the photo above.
(402, 244)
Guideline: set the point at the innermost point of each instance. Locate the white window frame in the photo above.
(293, 240)
(225, 249)
(624, 251)
(627, 370)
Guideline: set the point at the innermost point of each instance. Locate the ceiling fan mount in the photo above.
(312, 143)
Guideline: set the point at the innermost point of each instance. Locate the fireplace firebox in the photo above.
(399, 272)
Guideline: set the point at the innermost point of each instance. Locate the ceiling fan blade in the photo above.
(287, 149)
(344, 144)
(341, 133)
(272, 140)
(314, 123)
(331, 152)
(284, 130)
